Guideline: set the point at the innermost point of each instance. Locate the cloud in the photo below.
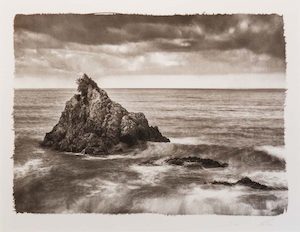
(134, 58)
(63, 45)
(259, 33)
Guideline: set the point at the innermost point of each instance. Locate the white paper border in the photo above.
(10, 221)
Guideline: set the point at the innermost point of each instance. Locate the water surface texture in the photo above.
(244, 128)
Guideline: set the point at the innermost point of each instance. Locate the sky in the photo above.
(180, 51)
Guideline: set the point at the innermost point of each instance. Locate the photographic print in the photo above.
(166, 114)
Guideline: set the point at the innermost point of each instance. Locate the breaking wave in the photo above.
(253, 157)
(188, 141)
(199, 200)
(150, 174)
(277, 151)
(111, 197)
(31, 166)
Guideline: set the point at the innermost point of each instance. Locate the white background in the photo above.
(10, 221)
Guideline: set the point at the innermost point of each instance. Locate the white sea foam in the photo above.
(106, 157)
(277, 179)
(150, 174)
(89, 157)
(153, 149)
(226, 178)
(23, 170)
(104, 197)
(109, 157)
(106, 188)
(110, 197)
(197, 200)
(39, 151)
(73, 153)
(188, 141)
(277, 151)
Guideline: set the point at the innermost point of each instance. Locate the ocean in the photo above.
(244, 128)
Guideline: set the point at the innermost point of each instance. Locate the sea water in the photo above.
(244, 128)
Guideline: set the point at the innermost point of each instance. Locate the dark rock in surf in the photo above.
(94, 124)
(223, 183)
(246, 181)
(192, 161)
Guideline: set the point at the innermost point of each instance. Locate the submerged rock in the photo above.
(94, 124)
(192, 161)
(246, 181)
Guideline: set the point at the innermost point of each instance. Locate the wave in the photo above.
(188, 141)
(104, 197)
(109, 157)
(276, 151)
(239, 157)
(150, 174)
(29, 166)
(199, 200)
(276, 179)
(247, 182)
(131, 197)
(264, 157)
(38, 151)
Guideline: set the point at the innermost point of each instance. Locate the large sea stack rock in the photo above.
(94, 124)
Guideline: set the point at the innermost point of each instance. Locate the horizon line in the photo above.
(165, 88)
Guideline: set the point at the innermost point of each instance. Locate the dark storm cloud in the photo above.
(61, 45)
(261, 34)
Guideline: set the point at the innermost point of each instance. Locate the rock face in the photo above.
(94, 124)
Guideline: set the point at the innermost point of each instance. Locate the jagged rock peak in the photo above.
(84, 83)
(94, 124)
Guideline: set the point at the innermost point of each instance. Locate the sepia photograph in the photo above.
(177, 114)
